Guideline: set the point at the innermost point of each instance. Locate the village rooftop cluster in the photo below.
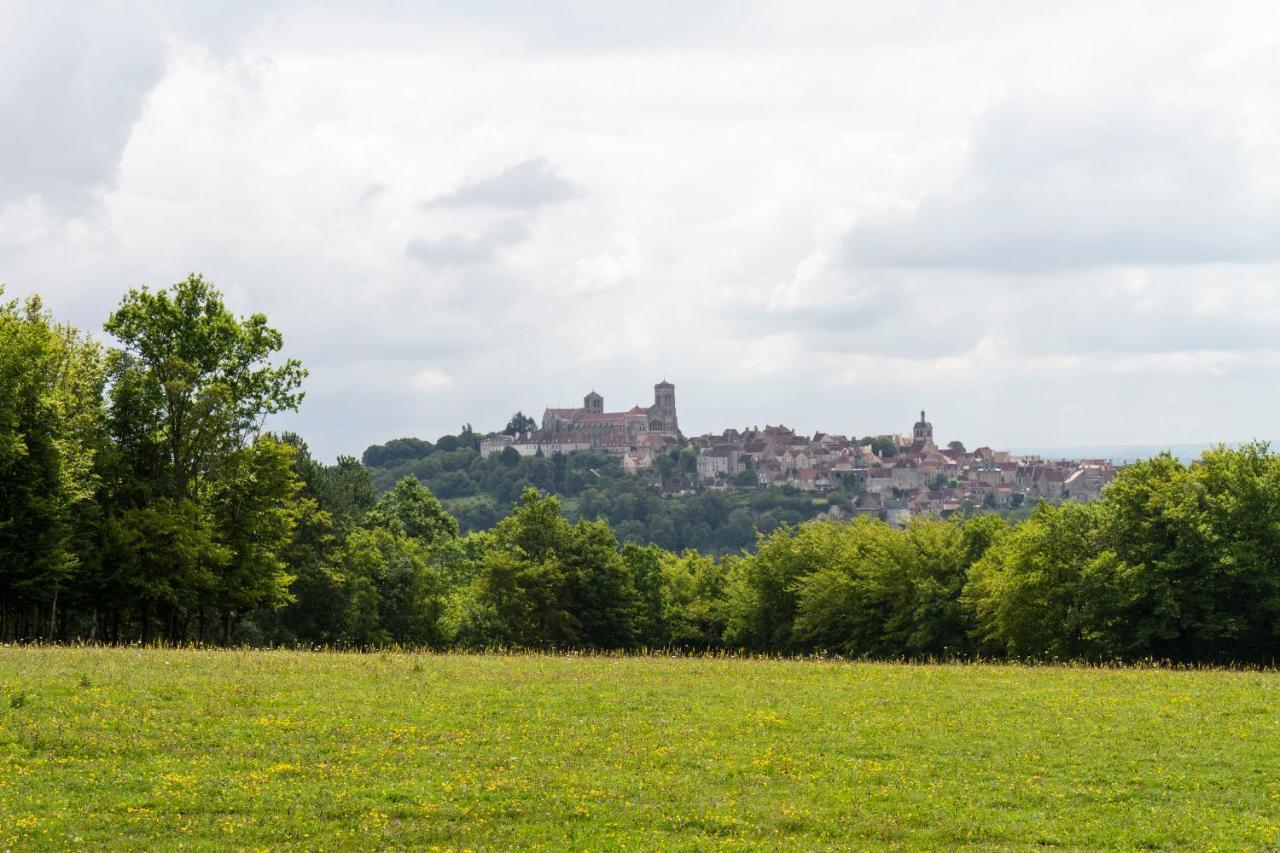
(893, 476)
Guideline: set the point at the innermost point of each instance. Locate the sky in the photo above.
(1046, 224)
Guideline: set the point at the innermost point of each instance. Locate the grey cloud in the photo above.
(461, 250)
(74, 78)
(371, 192)
(1059, 186)
(524, 186)
(1091, 314)
(890, 317)
(71, 89)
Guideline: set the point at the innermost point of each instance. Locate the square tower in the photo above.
(664, 407)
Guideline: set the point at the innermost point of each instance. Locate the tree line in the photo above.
(138, 493)
(141, 500)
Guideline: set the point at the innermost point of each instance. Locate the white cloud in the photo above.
(431, 379)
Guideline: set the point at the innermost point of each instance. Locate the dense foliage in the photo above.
(140, 493)
(141, 500)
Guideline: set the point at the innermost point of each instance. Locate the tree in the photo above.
(333, 501)
(167, 553)
(761, 593)
(396, 452)
(346, 489)
(210, 376)
(192, 385)
(393, 594)
(850, 587)
(520, 423)
(881, 445)
(1239, 617)
(601, 590)
(644, 565)
(253, 505)
(694, 596)
(1194, 552)
(51, 380)
(1045, 590)
(545, 582)
(665, 466)
(411, 510)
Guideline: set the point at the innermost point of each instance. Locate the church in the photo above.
(637, 434)
(593, 425)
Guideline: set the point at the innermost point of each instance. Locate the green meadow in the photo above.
(130, 748)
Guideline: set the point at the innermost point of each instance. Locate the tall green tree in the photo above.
(333, 501)
(208, 375)
(192, 386)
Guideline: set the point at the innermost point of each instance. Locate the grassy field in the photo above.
(138, 748)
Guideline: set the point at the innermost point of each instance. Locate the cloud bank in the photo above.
(1046, 226)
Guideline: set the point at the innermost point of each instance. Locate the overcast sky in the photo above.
(1047, 226)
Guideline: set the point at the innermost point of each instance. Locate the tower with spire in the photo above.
(922, 433)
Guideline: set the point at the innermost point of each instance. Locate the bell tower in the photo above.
(923, 432)
(593, 403)
(664, 406)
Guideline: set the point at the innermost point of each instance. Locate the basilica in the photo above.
(593, 422)
(640, 428)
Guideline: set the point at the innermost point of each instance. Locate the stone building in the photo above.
(612, 430)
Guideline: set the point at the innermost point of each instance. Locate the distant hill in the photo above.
(480, 492)
(1118, 454)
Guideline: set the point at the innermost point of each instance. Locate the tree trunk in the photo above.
(226, 627)
(53, 615)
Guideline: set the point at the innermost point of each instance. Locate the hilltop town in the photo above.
(894, 476)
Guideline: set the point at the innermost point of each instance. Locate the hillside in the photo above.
(127, 747)
(479, 492)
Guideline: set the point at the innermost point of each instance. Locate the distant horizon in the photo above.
(1115, 452)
